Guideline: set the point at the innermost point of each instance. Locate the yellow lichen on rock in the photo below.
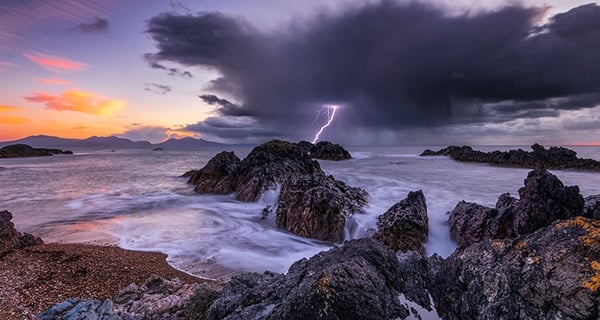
(594, 282)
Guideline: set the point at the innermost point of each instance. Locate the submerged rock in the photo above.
(404, 226)
(552, 158)
(311, 204)
(543, 200)
(316, 206)
(23, 150)
(552, 273)
(10, 239)
(360, 280)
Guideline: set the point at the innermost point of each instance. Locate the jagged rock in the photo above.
(592, 207)
(76, 309)
(274, 162)
(158, 298)
(326, 150)
(361, 280)
(23, 150)
(552, 158)
(316, 206)
(217, 176)
(10, 239)
(305, 145)
(543, 200)
(552, 273)
(311, 204)
(404, 226)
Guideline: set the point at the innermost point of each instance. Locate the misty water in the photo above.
(136, 199)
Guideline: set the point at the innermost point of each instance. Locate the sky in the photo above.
(236, 71)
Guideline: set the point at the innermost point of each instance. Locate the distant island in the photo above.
(540, 157)
(112, 142)
(23, 150)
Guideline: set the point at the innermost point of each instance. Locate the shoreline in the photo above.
(35, 278)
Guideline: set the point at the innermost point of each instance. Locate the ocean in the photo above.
(137, 199)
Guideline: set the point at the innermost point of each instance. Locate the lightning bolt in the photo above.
(330, 115)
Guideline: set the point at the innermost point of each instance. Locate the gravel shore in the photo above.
(35, 278)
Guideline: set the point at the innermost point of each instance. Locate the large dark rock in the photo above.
(217, 176)
(316, 206)
(539, 158)
(311, 204)
(361, 280)
(325, 150)
(23, 150)
(543, 200)
(404, 226)
(553, 273)
(10, 239)
(274, 162)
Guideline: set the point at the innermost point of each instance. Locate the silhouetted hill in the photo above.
(112, 142)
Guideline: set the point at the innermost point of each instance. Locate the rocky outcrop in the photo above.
(553, 273)
(10, 239)
(158, 298)
(217, 176)
(543, 200)
(76, 309)
(23, 150)
(361, 280)
(592, 207)
(539, 158)
(311, 203)
(316, 206)
(404, 226)
(325, 150)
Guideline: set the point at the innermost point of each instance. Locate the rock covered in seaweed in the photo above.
(540, 157)
(543, 200)
(316, 206)
(10, 239)
(404, 226)
(552, 273)
(23, 150)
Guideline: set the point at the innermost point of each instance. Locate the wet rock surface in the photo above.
(217, 176)
(539, 157)
(316, 206)
(361, 280)
(10, 239)
(592, 206)
(543, 200)
(76, 309)
(404, 226)
(553, 273)
(23, 150)
(311, 204)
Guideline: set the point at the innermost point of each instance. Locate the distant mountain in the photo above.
(112, 142)
(188, 143)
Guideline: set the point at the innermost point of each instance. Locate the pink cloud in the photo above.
(54, 81)
(55, 63)
(78, 101)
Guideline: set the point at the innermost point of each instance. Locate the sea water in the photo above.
(137, 199)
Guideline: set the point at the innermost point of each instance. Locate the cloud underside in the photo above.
(78, 101)
(390, 66)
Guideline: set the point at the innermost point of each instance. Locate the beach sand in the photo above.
(35, 278)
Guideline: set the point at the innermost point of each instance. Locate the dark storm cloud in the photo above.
(394, 66)
(97, 26)
(225, 107)
(157, 88)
